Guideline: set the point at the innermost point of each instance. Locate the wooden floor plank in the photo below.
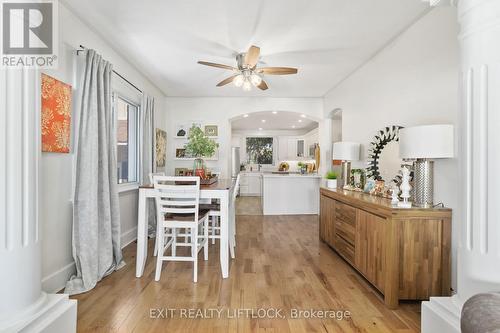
(280, 263)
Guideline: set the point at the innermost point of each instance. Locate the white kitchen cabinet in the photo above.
(291, 194)
(300, 148)
(296, 148)
(292, 149)
(250, 184)
(282, 149)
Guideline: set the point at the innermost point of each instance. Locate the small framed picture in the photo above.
(180, 153)
(181, 171)
(161, 148)
(181, 131)
(211, 130)
(358, 179)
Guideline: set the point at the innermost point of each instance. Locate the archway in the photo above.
(294, 136)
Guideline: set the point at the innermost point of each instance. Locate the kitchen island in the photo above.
(290, 194)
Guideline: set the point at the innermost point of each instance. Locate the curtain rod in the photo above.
(121, 76)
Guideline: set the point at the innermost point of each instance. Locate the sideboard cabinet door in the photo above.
(327, 220)
(370, 247)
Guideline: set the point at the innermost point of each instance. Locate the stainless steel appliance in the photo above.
(235, 162)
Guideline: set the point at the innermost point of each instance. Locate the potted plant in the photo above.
(302, 167)
(331, 179)
(200, 146)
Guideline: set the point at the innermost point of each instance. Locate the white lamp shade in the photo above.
(430, 141)
(346, 151)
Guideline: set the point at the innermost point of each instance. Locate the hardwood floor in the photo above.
(280, 263)
(248, 206)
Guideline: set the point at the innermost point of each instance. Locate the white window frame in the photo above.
(275, 147)
(129, 186)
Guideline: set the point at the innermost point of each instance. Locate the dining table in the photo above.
(221, 190)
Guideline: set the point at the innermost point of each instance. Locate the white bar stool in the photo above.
(177, 205)
(214, 223)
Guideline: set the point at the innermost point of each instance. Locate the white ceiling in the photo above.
(273, 120)
(326, 39)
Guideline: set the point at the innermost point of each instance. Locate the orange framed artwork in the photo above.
(56, 115)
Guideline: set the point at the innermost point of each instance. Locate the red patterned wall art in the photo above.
(56, 115)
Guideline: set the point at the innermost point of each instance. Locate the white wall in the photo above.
(56, 169)
(219, 111)
(413, 81)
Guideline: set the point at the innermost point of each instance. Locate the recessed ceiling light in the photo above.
(300, 120)
(303, 115)
(263, 120)
(274, 112)
(293, 126)
(245, 116)
(260, 128)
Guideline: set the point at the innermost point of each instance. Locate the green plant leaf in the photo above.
(199, 145)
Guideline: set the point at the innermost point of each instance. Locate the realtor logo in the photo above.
(29, 31)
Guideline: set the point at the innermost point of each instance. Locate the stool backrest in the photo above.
(153, 174)
(177, 196)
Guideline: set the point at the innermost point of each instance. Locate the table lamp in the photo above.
(423, 144)
(346, 152)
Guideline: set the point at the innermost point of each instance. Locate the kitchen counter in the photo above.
(290, 175)
(290, 194)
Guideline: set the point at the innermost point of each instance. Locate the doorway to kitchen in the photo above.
(276, 154)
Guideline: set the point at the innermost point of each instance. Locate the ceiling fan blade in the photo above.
(226, 81)
(252, 56)
(277, 70)
(263, 85)
(216, 65)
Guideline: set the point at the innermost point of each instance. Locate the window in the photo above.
(260, 150)
(126, 138)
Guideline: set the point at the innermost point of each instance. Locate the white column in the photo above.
(23, 305)
(478, 266)
(325, 144)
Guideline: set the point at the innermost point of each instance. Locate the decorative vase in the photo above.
(331, 183)
(405, 188)
(199, 167)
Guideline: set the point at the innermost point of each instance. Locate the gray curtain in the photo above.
(146, 130)
(146, 137)
(96, 214)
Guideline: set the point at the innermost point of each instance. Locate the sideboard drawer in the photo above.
(346, 231)
(344, 248)
(345, 213)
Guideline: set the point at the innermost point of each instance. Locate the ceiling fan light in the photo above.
(255, 79)
(239, 80)
(247, 86)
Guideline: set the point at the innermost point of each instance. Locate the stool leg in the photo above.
(174, 242)
(214, 221)
(231, 239)
(231, 247)
(205, 238)
(194, 252)
(159, 259)
(158, 224)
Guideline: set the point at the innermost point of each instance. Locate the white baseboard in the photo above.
(56, 281)
(441, 314)
(128, 237)
(56, 314)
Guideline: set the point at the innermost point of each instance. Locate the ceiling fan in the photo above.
(247, 74)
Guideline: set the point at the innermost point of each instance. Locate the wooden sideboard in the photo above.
(404, 253)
